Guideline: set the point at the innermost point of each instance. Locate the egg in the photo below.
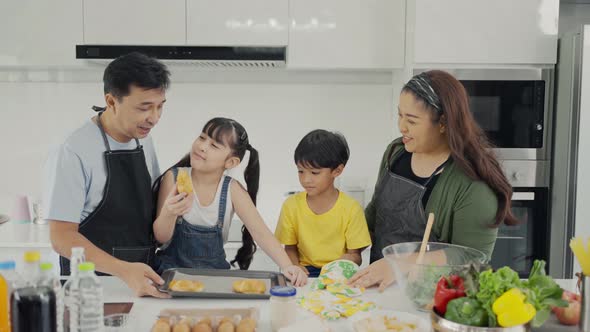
(245, 328)
(226, 319)
(202, 327)
(161, 326)
(226, 327)
(181, 327)
(246, 325)
(205, 320)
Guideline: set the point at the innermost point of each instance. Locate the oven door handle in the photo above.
(523, 196)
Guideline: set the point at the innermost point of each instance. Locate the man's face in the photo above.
(139, 112)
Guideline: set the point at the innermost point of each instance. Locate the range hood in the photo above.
(203, 56)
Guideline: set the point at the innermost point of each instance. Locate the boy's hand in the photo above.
(295, 274)
(304, 269)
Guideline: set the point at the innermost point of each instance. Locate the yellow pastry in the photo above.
(249, 286)
(184, 183)
(186, 286)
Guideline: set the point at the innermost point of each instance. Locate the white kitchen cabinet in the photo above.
(40, 33)
(486, 32)
(135, 22)
(346, 34)
(237, 22)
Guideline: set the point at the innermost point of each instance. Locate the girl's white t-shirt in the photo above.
(207, 215)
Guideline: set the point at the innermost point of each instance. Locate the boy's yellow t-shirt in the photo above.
(323, 238)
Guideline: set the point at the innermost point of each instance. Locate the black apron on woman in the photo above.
(400, 215)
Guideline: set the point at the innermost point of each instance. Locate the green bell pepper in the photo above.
(466, 311)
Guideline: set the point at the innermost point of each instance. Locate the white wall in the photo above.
(36, 116)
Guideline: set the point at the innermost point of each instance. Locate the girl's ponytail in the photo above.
(252, 177)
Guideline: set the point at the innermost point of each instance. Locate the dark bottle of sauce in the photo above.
(32, 309)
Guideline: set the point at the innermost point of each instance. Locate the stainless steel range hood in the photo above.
(202, 56)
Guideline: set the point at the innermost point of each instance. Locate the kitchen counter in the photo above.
(15, 235)
(144, 311)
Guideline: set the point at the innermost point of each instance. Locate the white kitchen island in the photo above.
(144, 311)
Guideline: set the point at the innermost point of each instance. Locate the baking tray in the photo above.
(218, 283)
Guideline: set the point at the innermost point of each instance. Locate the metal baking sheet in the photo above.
(218, 283)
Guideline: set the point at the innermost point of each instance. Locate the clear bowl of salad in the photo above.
(440, 260)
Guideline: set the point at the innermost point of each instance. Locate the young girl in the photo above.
(196, 226)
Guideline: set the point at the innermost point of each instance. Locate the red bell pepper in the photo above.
(447, 289)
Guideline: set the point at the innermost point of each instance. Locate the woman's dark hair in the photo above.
(322, 149)
(228, 131)
(134, 69)
(470, 148)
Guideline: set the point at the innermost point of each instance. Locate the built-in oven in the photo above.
(513, 107)
(518, 246)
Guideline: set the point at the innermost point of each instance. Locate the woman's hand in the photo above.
(295, 274)
(379, 273)
(178, 204)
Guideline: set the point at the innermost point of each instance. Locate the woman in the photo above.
(441, 165)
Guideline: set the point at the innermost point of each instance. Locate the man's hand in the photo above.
(142, 279)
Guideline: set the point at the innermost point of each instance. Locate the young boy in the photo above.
(322, 224)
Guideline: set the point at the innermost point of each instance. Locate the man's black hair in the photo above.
(134, 69)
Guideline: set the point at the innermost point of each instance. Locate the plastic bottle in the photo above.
(76, 259)
(282, 306)
(87, 307)
(32, 309)
(31, 270)
(49, 279)
(7, 281)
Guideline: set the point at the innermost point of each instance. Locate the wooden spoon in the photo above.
(425, 238)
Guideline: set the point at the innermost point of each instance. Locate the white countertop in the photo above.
(145, 310)
(29, 235)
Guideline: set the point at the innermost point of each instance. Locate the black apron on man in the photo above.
(121, 224)
(400, 216)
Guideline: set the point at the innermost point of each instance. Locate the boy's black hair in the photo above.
(322, 149)
(134, 69)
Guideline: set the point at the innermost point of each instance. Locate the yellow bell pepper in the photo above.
(512, 310)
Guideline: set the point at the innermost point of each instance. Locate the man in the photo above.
(98, 192)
